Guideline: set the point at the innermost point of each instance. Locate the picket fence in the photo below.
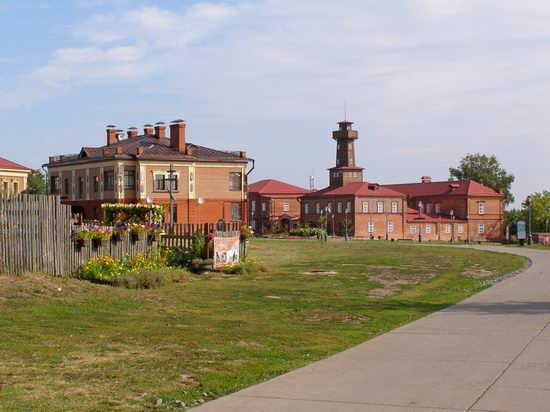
(35, 236)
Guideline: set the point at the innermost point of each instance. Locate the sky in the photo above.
(425, 81)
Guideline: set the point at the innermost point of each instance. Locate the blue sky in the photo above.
(426, 81)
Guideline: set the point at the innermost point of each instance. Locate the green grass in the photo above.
(95, 347)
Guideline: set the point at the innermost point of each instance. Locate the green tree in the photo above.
(540, 211)
(511, 218)
(36, 183)
(485, 170)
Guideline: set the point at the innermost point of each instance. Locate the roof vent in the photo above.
(426, 179)
(132, 132)
(453, 187)
(148, 129)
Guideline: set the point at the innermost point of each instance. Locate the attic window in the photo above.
(83, 154)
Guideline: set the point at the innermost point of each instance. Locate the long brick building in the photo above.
(461, 210)
(13, 177)
(131, 167)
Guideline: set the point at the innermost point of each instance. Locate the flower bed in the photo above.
(306, 232)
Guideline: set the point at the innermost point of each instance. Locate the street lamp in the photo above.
(171, 179)
(420, 205)
(529, 235)
(452, 213)
(327, 212)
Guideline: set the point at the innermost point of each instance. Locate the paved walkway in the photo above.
(490, 352)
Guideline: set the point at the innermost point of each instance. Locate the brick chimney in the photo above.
(139, 151)
(111, 134)
(160, 131)
(105, 151)
(148, 129)
(177, 135)
(132, 132)
(119, 150)
(426, 179)
(242, 154)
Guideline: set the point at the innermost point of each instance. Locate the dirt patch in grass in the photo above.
(392, 282)
(478, 273)
(320, 272)
(319, 315)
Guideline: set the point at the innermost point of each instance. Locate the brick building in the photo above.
(13, 176)
(210, 184)
(274, 202)
(461, 210)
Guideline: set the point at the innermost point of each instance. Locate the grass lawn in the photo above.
(72, 345)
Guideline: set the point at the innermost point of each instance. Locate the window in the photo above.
(339, 207)
(438, 208)
(365, 207)
(413, 230)
(429, 208)
(235, 211)
(253, 224)
(162, 182)
(253, 206)
(54, 185)
(264, 207)
(480, 228)
(286, 207)
(15, 187)
(235, 181)
(329, 207)
(306, 208)
(390, 227)
(96, 184)
(5, 187)
(318, 208)
(67, 186)
(447, 228)
(371, 227)
(109, 180)
(129, 180)
(481, 207)
(394, 207)
(174, 214)
(460, 229)
(428, 229)
(80, 187)
(348, 207)
(380, 207)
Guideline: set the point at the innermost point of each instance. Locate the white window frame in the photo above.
(460, 229)
(412, 229)
(380, 207)
(339, 207)
(394, 207)
(481, 228)
(438, 208)
(390, 226)
(428, 208)
(264, 207)
(348, 207)
(371, 227)
(481, 208)
(318, 208)
(306, 208)
(365, 206)
(286, 207)
(253, 206)
(428, 229)
(447, 228)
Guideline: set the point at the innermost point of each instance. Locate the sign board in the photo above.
(226, 250)
(522, 232)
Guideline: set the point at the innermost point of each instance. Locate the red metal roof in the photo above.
(275, 187)
(358, 189)
(8, 164)
(460, 187)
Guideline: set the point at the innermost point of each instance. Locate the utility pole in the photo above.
(530, 234)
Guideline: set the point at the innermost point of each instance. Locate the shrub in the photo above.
(150, 278)
(133, 213)
(247, 266)
(198, 245)
(178, 257)
(306, 232)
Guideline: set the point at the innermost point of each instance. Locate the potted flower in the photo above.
(154, 230)
(121, 231)
(83, 238)
(138, 231)
(102, 236)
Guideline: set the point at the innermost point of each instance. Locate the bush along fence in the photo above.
(36, 234)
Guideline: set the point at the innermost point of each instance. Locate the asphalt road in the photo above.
(490, 352)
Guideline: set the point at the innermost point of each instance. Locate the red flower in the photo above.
(211, 236)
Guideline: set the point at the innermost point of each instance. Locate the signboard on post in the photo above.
(521, 229)
(226, 250)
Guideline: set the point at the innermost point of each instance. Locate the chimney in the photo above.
(61, 158)
(148, 129)
(119, 150)
(111, 135)
(177, 135)
(132, 132)
(243, 155)
(426, 179)
(160, 130)
(453, 187)
(139, 151)
(105, 151)
(52, 159)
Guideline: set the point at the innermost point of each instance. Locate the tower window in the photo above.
(350, 146)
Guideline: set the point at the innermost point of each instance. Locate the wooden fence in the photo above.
(35, 236)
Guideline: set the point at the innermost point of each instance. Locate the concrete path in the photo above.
(490, 352)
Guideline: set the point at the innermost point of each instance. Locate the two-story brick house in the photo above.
(13, 177)
(460, 210)
(210, 185)
(274, 202)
